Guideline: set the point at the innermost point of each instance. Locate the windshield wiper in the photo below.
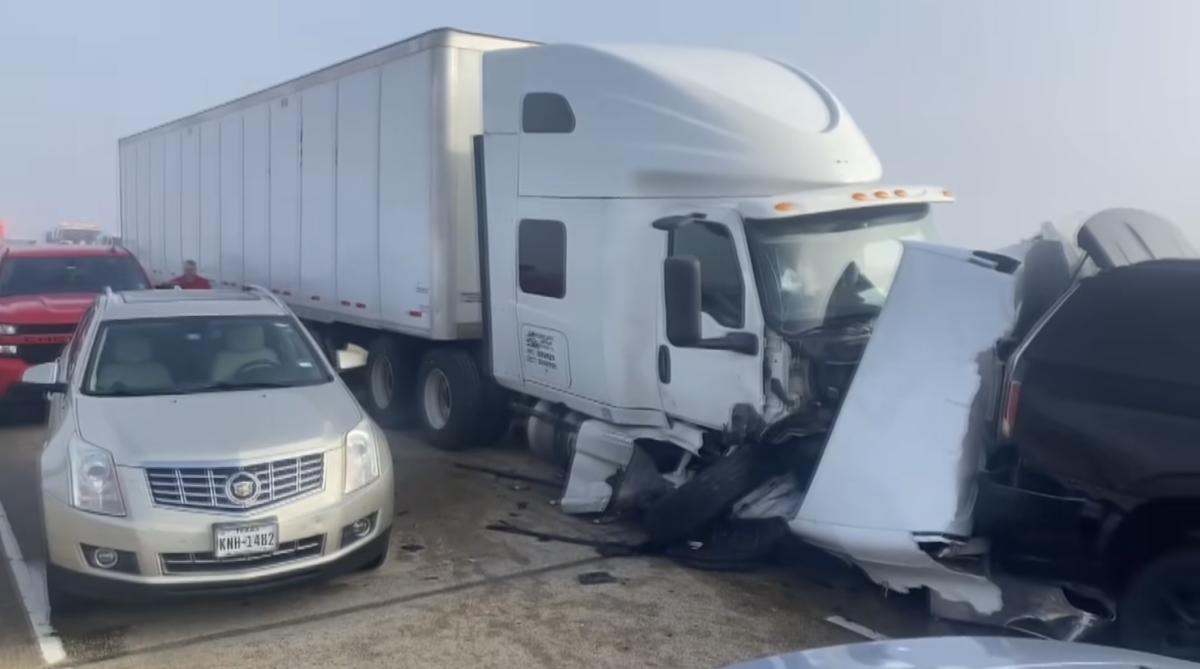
(221, 386)
(125, 392)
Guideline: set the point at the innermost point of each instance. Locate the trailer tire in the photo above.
(389, 392)
(705, 496)
(453, 400)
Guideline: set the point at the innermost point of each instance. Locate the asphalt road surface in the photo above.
(453, 593)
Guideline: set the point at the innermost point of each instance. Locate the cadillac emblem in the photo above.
(242, 488)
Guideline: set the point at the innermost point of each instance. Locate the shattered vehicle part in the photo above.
(708, 494)
(778, 498)
(1038, 609)
(732, 545)
(903, 439)
(601, 450)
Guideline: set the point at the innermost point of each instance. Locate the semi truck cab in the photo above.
(623, 180)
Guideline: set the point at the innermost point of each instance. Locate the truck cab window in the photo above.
(542, 258)
(722, 293)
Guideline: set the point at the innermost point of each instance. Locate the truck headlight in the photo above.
(7, 329)
(362, 457)
(94, 486)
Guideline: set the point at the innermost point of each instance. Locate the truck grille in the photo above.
(36, 354)
(207, 563)
(59, 328)
(210, 489)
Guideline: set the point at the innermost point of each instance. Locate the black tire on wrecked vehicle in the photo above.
(708, 494)
(1145, 617)
(453, 399)
(389, 388)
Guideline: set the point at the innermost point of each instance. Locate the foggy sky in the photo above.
(1027, 109)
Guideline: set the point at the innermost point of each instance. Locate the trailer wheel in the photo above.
(1158, 612)
(704, 497)
(389, 392)
(457, 408)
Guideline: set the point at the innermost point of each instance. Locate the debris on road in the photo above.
(596, 578)
(856, 628)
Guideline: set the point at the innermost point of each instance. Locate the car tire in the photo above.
(389, 389)
(458, 407)
(704, 497)
(1139, 624)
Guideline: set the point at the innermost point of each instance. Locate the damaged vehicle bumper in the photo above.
(897, 473)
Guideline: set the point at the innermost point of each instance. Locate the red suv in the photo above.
(44, 292)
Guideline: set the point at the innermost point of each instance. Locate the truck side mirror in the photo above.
(681, 292)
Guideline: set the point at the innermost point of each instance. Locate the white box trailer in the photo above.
(348, 192)
(668, 260)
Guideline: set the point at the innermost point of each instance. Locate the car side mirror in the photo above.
(681, 293)
(44, 377)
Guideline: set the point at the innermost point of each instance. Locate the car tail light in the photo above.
(1010, 409)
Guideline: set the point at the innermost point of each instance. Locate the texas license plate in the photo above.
(250, 539)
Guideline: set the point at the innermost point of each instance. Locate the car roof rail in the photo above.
(252, 288)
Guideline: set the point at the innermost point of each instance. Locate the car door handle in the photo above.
(664, 364)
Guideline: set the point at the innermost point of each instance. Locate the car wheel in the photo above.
(389, 373)
(705, 496)
(1160, 610)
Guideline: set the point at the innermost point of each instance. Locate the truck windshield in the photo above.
(48, 275)
(75, 236)
(837, 266)
(201, 354)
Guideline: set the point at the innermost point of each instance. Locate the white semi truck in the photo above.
(668, 261)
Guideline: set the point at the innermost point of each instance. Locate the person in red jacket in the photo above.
(190, 280)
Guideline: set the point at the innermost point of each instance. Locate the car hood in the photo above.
(64, 308)
(223, 426)
(907, 429)
(962, 653)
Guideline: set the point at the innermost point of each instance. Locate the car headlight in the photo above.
(8, 329)
(94, 486)
(362, 457)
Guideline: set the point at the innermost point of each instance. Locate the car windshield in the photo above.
(201, 354)
(48, 275)
(831, 267)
